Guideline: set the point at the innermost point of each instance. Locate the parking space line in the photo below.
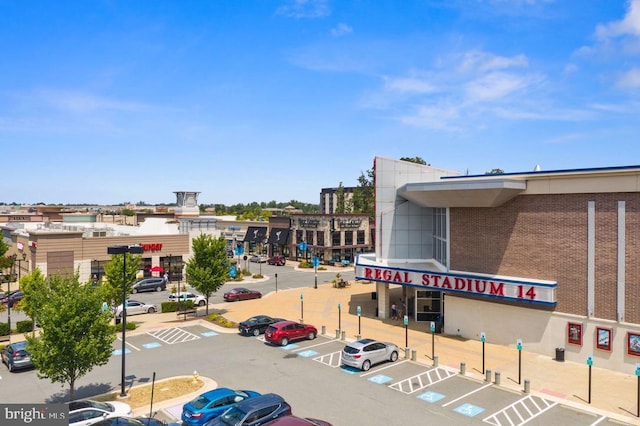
(315, 345)
(383, 368)
(173, 335)
(516, 408)
(129, 344)
(328, 359)
(423, 380)
(467, 394)
(599, 420)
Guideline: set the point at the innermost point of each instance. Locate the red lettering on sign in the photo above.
(446, 283)
(496, 289)
(460, 283)
(152, 247)
(481, 286)
(367, 273)
(425, 279)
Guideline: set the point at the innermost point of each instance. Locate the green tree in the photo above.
(34, 287)
(111, 287)
(495, 172)
(208, 268)
(363, 194)
(5, 261)
(340, 204)
(417, 160)
(76, 334)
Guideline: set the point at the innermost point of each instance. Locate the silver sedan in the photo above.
(135, 307)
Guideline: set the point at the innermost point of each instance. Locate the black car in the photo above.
(253, 411)
(257, 325)
(13, 298)
(149, 284)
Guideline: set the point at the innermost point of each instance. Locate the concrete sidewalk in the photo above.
(612, 394)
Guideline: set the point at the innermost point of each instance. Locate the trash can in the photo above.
(560, 354)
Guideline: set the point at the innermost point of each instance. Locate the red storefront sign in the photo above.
(151, 247)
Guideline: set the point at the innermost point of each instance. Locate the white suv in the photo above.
(197, 299)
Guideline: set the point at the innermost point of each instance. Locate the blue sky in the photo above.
(257, 100)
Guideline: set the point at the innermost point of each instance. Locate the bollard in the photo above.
(463, 368)
(497, 377)
(414, 354)
(406, 353)
(343, 335)
(358, 337)
(337, 333)
(301, 320)
(527, 386)
(435, 360)
(324, 330)
(487, 375)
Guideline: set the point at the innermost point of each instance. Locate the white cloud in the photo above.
(409, 85)
(341, 30)
(433, 117)
(498, 85)
(630, 79)
(85, 102)
(305, 9)
(482, 61)
(629, 25)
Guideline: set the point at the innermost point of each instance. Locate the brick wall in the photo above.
(545, 237)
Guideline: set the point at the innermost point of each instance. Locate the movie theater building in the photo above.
(547, 258)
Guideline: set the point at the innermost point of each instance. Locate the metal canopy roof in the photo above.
(471, 193)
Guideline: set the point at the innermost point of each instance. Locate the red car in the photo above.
(277, 260)
(241, 293)
(281, 333)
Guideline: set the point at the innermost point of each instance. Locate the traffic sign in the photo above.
(316, 261)
(406, 320)
(302, 246)
(359, 310)
(519, 345)
(589, 360)
(432, 327)
(483, 337)
(638, 370)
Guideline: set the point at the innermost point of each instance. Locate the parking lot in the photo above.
(443, 390)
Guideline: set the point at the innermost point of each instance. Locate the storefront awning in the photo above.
(279, 236)
(255, 234)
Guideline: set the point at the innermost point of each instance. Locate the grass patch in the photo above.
(221, 321)
(139, 396)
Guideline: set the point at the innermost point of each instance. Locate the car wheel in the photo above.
(134, 290)
(366, 365)
(151, 311)
(394, 356)
(9, 366)
(256, 332)
(284, 341)
(201, 303)
(158, 288)
(311, 335)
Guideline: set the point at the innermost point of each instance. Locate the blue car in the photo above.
(211, 404)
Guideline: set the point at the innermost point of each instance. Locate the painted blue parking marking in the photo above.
(152, 345)
(380, 379)
(209, 333)
(468, 410)
(308, 353)
(349, 370)
(119, 352)
(289, 347)
(431, 396)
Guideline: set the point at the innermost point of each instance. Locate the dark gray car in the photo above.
(149, 284)
(253, 411)
(15, 356)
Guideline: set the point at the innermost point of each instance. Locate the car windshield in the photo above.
(77, 405)
(232, 416)
(200, 402)
(351, 350)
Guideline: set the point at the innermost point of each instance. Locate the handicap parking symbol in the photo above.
(209, 333)
(151, 345)
(289, 347)
(430, 396)
(380, 379)
(308, 353)
(119, 352)
(469, 410)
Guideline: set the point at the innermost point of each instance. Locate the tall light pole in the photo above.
(123, 250)
(11, 276)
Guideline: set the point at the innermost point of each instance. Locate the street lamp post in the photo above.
(11, 276)
(123, 250)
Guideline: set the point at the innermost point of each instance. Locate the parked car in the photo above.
(297, 421)
(135, 307)
(241, 293)
(13, 298)
(257, 325)
(283, 332)
(15, 356)
(254, 411)
(150, 421)
(364, 353)
(149, 284)
(258, 258)
(185, 295)
(84, 412)
(211, 404)
(277, 260)
(119, 421)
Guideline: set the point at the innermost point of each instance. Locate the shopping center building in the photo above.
(545, 258)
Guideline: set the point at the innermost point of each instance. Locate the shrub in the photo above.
(257, 276)
(322, 268)
(4, 328)
(218, 319)
(305, 264)
(173, 306)
(24, 326)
